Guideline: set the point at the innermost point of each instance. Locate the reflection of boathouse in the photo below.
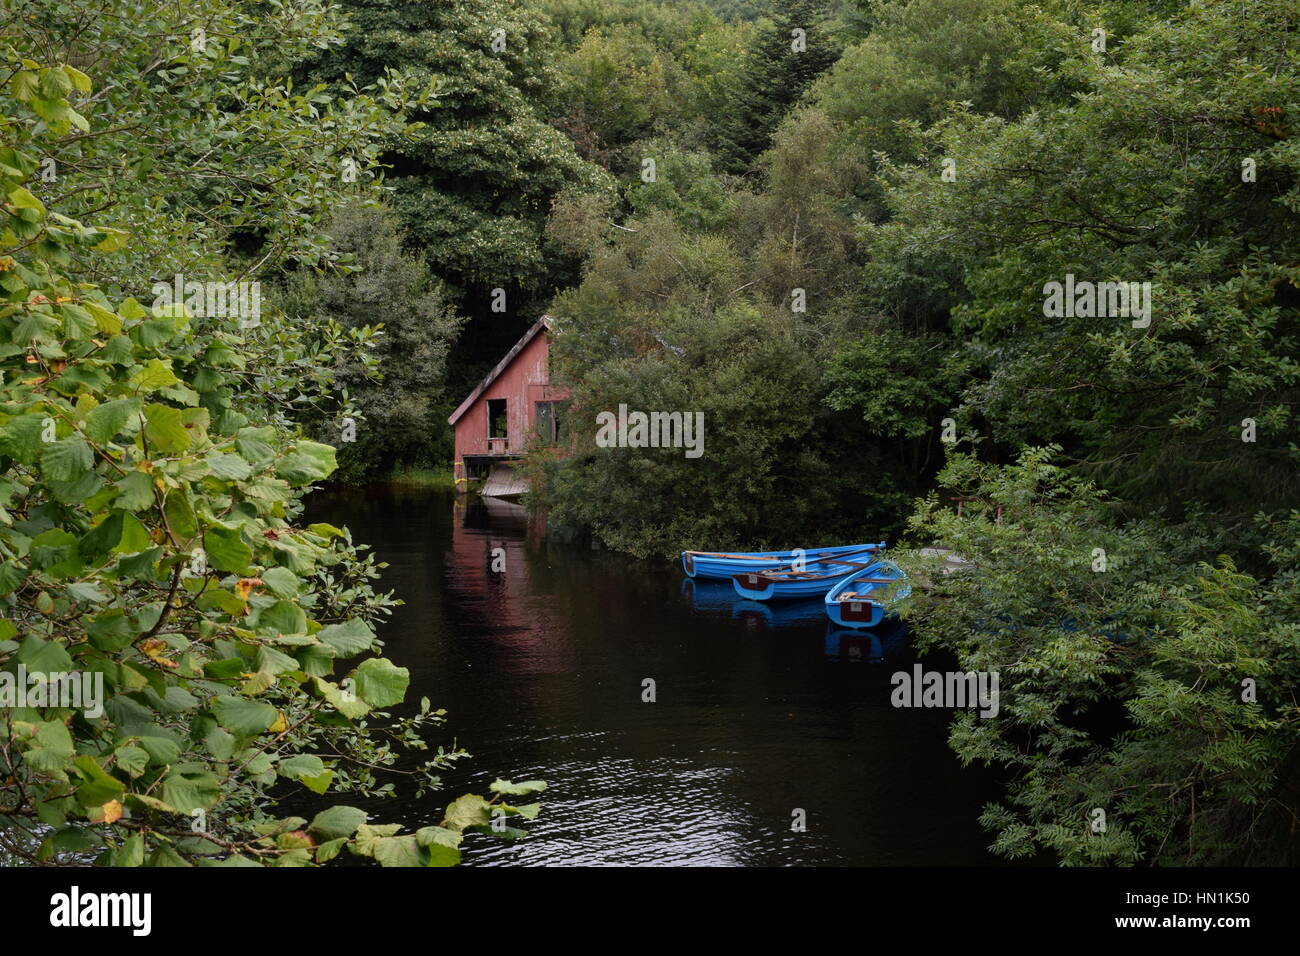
(512, 410)
(502, 591)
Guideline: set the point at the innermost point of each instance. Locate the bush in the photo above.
(150, 557)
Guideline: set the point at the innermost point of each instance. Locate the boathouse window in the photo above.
(550, 421)
(497, 427)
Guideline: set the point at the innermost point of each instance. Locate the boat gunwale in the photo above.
(835, 596)
(821, 556)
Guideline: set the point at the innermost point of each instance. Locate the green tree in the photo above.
(684, 186)
(668, 319)
(395, 386)
(1158, 411)
(149, 541)
(1147, 699)
(788, 54)
(474, 181)
(614, 88)
(635, 68)
(217, 168)
(925, 55)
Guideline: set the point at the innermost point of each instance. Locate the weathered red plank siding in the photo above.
(522, 383)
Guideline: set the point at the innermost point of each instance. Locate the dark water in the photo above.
(758, 713)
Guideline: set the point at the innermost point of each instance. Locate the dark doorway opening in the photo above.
(497, 426)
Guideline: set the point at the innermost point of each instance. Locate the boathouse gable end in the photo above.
(497, 421)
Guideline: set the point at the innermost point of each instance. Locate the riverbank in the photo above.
(433, 479)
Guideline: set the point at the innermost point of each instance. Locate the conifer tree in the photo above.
(795, 47)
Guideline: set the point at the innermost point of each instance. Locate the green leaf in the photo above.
(114, 240)
(336, 822)
(257, 445)
(104, 537)
(180, 516)
(52, 748)
(54, 83)
(135, 492)
(110, 630)
(107, 421)
(80, 82)
(468, 811)
(349, 638)
(78, 324)
(442, 846)
(86, 592)
(154, 333)
(309, 770)
(166, 856)
(330, 849)
(67, 460)
(318, 784)
(20, 437)
(132, 759)
(165, 430)
(380, 683)
(317, 660)
(135, 536)
(282, 582)
(243, 717)
(190, 786)
(438, 836)
(353, 707)
(105, 320)
(226, 550)
(131, 852)
(12, 576)
(24, 84)
(161, 750)
(283, 617)
(131, 310)
(301, 765)
(310, 461)
(139, 567)
(528, 811)
(517, 789)
(22, 199)
(274, 662)
(153, 376)
(229, 467)
(44, 657)
(97, 788)
(397, 851)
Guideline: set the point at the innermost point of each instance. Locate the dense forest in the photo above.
(862, 237)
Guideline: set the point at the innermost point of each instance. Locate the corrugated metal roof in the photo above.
(503, 482)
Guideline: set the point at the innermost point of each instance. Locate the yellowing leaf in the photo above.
(245, 586)
(80, 82)
(156, 650)
(22, 199)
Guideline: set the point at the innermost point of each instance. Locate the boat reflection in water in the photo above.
(720, 597)
(885, 641)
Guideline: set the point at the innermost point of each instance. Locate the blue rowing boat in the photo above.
(723, 565)
(863, 598)
(811, 579)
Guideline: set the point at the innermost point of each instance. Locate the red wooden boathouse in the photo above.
(513, 408)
